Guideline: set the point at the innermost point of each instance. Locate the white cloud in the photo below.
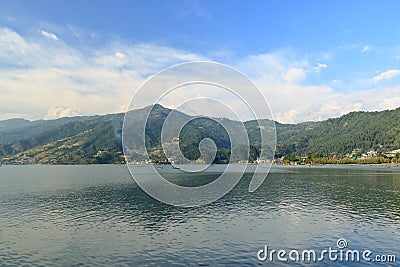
(61, 111)
(387, 75)
(13, 48)
(45, 79)
(120, 55)
(319, 67)
(292, 100)
(391, 103)
(49, 35)
(32, 52)
(365, 49)
(294, 75)
(9, 115)
(44, 74)
(288, 117)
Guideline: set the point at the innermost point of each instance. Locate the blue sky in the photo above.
(312, 59)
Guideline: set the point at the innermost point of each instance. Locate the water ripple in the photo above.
(97, 216)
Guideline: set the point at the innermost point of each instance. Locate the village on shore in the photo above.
(357, 157)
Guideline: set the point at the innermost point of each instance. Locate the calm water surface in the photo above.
(97, 216)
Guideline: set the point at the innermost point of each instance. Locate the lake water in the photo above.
(97, 216)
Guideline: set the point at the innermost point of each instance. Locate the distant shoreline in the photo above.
(252, 164)
(350, 164)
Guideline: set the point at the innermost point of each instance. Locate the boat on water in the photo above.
(175, 167)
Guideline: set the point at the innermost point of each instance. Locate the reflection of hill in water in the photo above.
(100, 211)
(367, 195)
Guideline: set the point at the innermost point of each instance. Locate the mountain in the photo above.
(63, 141)
(18, 129)
(97, 139)
(11, 124)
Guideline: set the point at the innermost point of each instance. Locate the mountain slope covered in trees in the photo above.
(379, 131)
(97, 139)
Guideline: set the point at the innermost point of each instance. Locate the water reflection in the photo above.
(97, 215)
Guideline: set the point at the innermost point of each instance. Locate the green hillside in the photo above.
(379, 131)
(76, 141)
(97, 139)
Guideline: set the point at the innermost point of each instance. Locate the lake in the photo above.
(97, 216)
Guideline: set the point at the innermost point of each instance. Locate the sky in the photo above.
(311, 59)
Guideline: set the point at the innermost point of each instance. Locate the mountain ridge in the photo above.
(97, 139)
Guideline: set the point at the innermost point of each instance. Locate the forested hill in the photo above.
(379, 131)
(74, 140)
(97, 139)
